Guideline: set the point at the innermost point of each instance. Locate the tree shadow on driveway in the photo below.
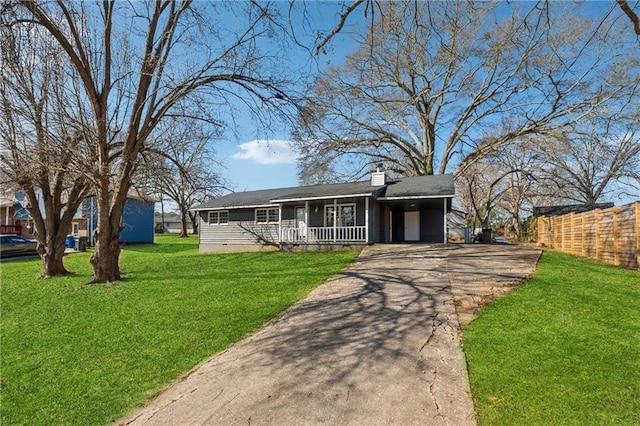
(377, 344)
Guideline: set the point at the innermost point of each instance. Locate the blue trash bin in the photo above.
(69, 242)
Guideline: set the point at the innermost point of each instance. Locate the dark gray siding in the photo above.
(431, 221)
(432, 225)
(240, 234)
(376, 222)
(397, 228)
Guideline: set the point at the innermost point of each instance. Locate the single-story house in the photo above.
(171, 222)
(380, 210)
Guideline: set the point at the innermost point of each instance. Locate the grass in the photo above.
(85, 354)
(563, 349)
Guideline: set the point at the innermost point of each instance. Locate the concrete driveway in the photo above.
(377, 344)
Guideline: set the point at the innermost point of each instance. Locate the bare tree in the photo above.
(481, 187)
(39, 134)
(183, 168)
(431, 79)
(624, 5)
(140, 62)
(590, 162)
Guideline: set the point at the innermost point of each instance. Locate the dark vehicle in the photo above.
(12, 245)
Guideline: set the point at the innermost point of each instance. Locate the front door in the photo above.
(301, 223)
(412, 226)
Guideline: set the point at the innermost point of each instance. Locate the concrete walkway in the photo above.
(378, 344)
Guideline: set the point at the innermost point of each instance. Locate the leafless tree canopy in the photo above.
(40, 129)
(432, 79)
(182, 168)
(591, 162)
(140, 62)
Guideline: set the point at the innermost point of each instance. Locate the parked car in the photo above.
(500, 240)
(12, 245)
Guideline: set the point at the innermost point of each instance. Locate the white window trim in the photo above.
(266, 210)
(338, 206)
(217, 214)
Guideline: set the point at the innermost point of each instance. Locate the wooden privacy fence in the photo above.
(611, 235)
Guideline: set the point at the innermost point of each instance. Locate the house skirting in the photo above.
(321, 246)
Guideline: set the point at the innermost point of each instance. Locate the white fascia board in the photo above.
(328, 197)
(415, 197)
(257, 206)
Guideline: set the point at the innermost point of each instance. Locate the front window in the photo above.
(267, 215)
(219, 217)
(346, 215)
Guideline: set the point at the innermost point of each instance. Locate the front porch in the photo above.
(325, 234)
(325, 222)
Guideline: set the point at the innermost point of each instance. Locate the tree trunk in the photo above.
(194, 222)
(105, 258)
(183, 224)
(162, 213)
(52, 256)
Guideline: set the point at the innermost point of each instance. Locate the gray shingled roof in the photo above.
(421, 187)
(411, 187)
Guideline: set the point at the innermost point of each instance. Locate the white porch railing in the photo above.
(325, 234)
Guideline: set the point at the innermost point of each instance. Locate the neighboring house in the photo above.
(456, 225)
(8, 224)
(171, 223)
(329, 216)
(137, 218)
(15, 219)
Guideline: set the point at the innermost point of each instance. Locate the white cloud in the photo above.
(264, 151)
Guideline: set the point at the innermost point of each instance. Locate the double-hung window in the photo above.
(345, 214)
(268, 215)
(219, 217)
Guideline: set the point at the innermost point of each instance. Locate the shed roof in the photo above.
(436, 186)
(571, 208)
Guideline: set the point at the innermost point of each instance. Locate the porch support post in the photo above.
(335, 218)
(306, 220)
(280, 225)
(366, 219)
(445, 220)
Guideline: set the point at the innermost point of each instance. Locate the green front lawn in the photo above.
(77, 354)
(563, 349)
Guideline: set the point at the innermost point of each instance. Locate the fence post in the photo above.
(539, 236)
(563, 238)
(572, 237)
(597, 219)
(583, 237)
(638, 234)
(616, 237)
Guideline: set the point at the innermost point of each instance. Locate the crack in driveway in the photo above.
(346, 354)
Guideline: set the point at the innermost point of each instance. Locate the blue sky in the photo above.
(255, 158)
